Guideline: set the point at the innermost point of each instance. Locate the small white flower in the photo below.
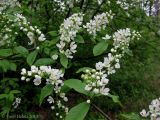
(117, 65)
(23, 71)
(37, 80)
(88, 88)
(107, 37)
(52, 107)
(23, 78)
(96, 91)
(144, 113)
(31, 37)
(55, 57)
(57, 114)
(99, 66)
(88, 101)
(65, 99)
(105, 91)
(37, 48)
(50, 100)
(27, 80)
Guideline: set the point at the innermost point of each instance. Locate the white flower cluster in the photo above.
(32, 32)
(50, 76)
(4, 4)
(6, 31)
(123, 4)
(7, 35)
(64, 4)
(61, 4)
(98, 23)
(68, 31)
(16, 102)
(154, 110)
(121, 40)
(123, 37)
(96, 81)
(100, 2)
(59, 104)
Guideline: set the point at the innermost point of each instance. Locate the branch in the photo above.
(68, 13)
(104, 114)
(98, 8)
(81, 6)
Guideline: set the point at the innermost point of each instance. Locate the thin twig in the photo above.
(98, 8)
(104, 114)
(68, 13)
(81, 6)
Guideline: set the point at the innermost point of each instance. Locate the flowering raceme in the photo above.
(154, 110)
(98, 23)
(68, 31)
(20, 22)
(32, 32)
(52, 77)
(96, 79)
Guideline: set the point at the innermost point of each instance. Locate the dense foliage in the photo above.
(79, 59)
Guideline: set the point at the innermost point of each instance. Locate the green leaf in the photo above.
(15, 91)
(10, 97)
(45, 91)
(4, 65)
(77, 85)
(128, 52)
(131, 116)
(65, 89)
(53, 33)
(83, 69)
(21, 50)
(115, 99)
(13, 66)
(100, 48)
(78, 112)
(44, 61)
(31, 57)
(54, 41)
(7, 65)
(2, 96)
(64, 60)
(5, 110)
(79, 39)
(6, 52)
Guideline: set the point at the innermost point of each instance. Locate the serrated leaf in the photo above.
(64, 60)
(31, 57)
(44, 61)
(45, 91)
(6, 52)
(100, 48)
(78, 112)
(77, 85)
